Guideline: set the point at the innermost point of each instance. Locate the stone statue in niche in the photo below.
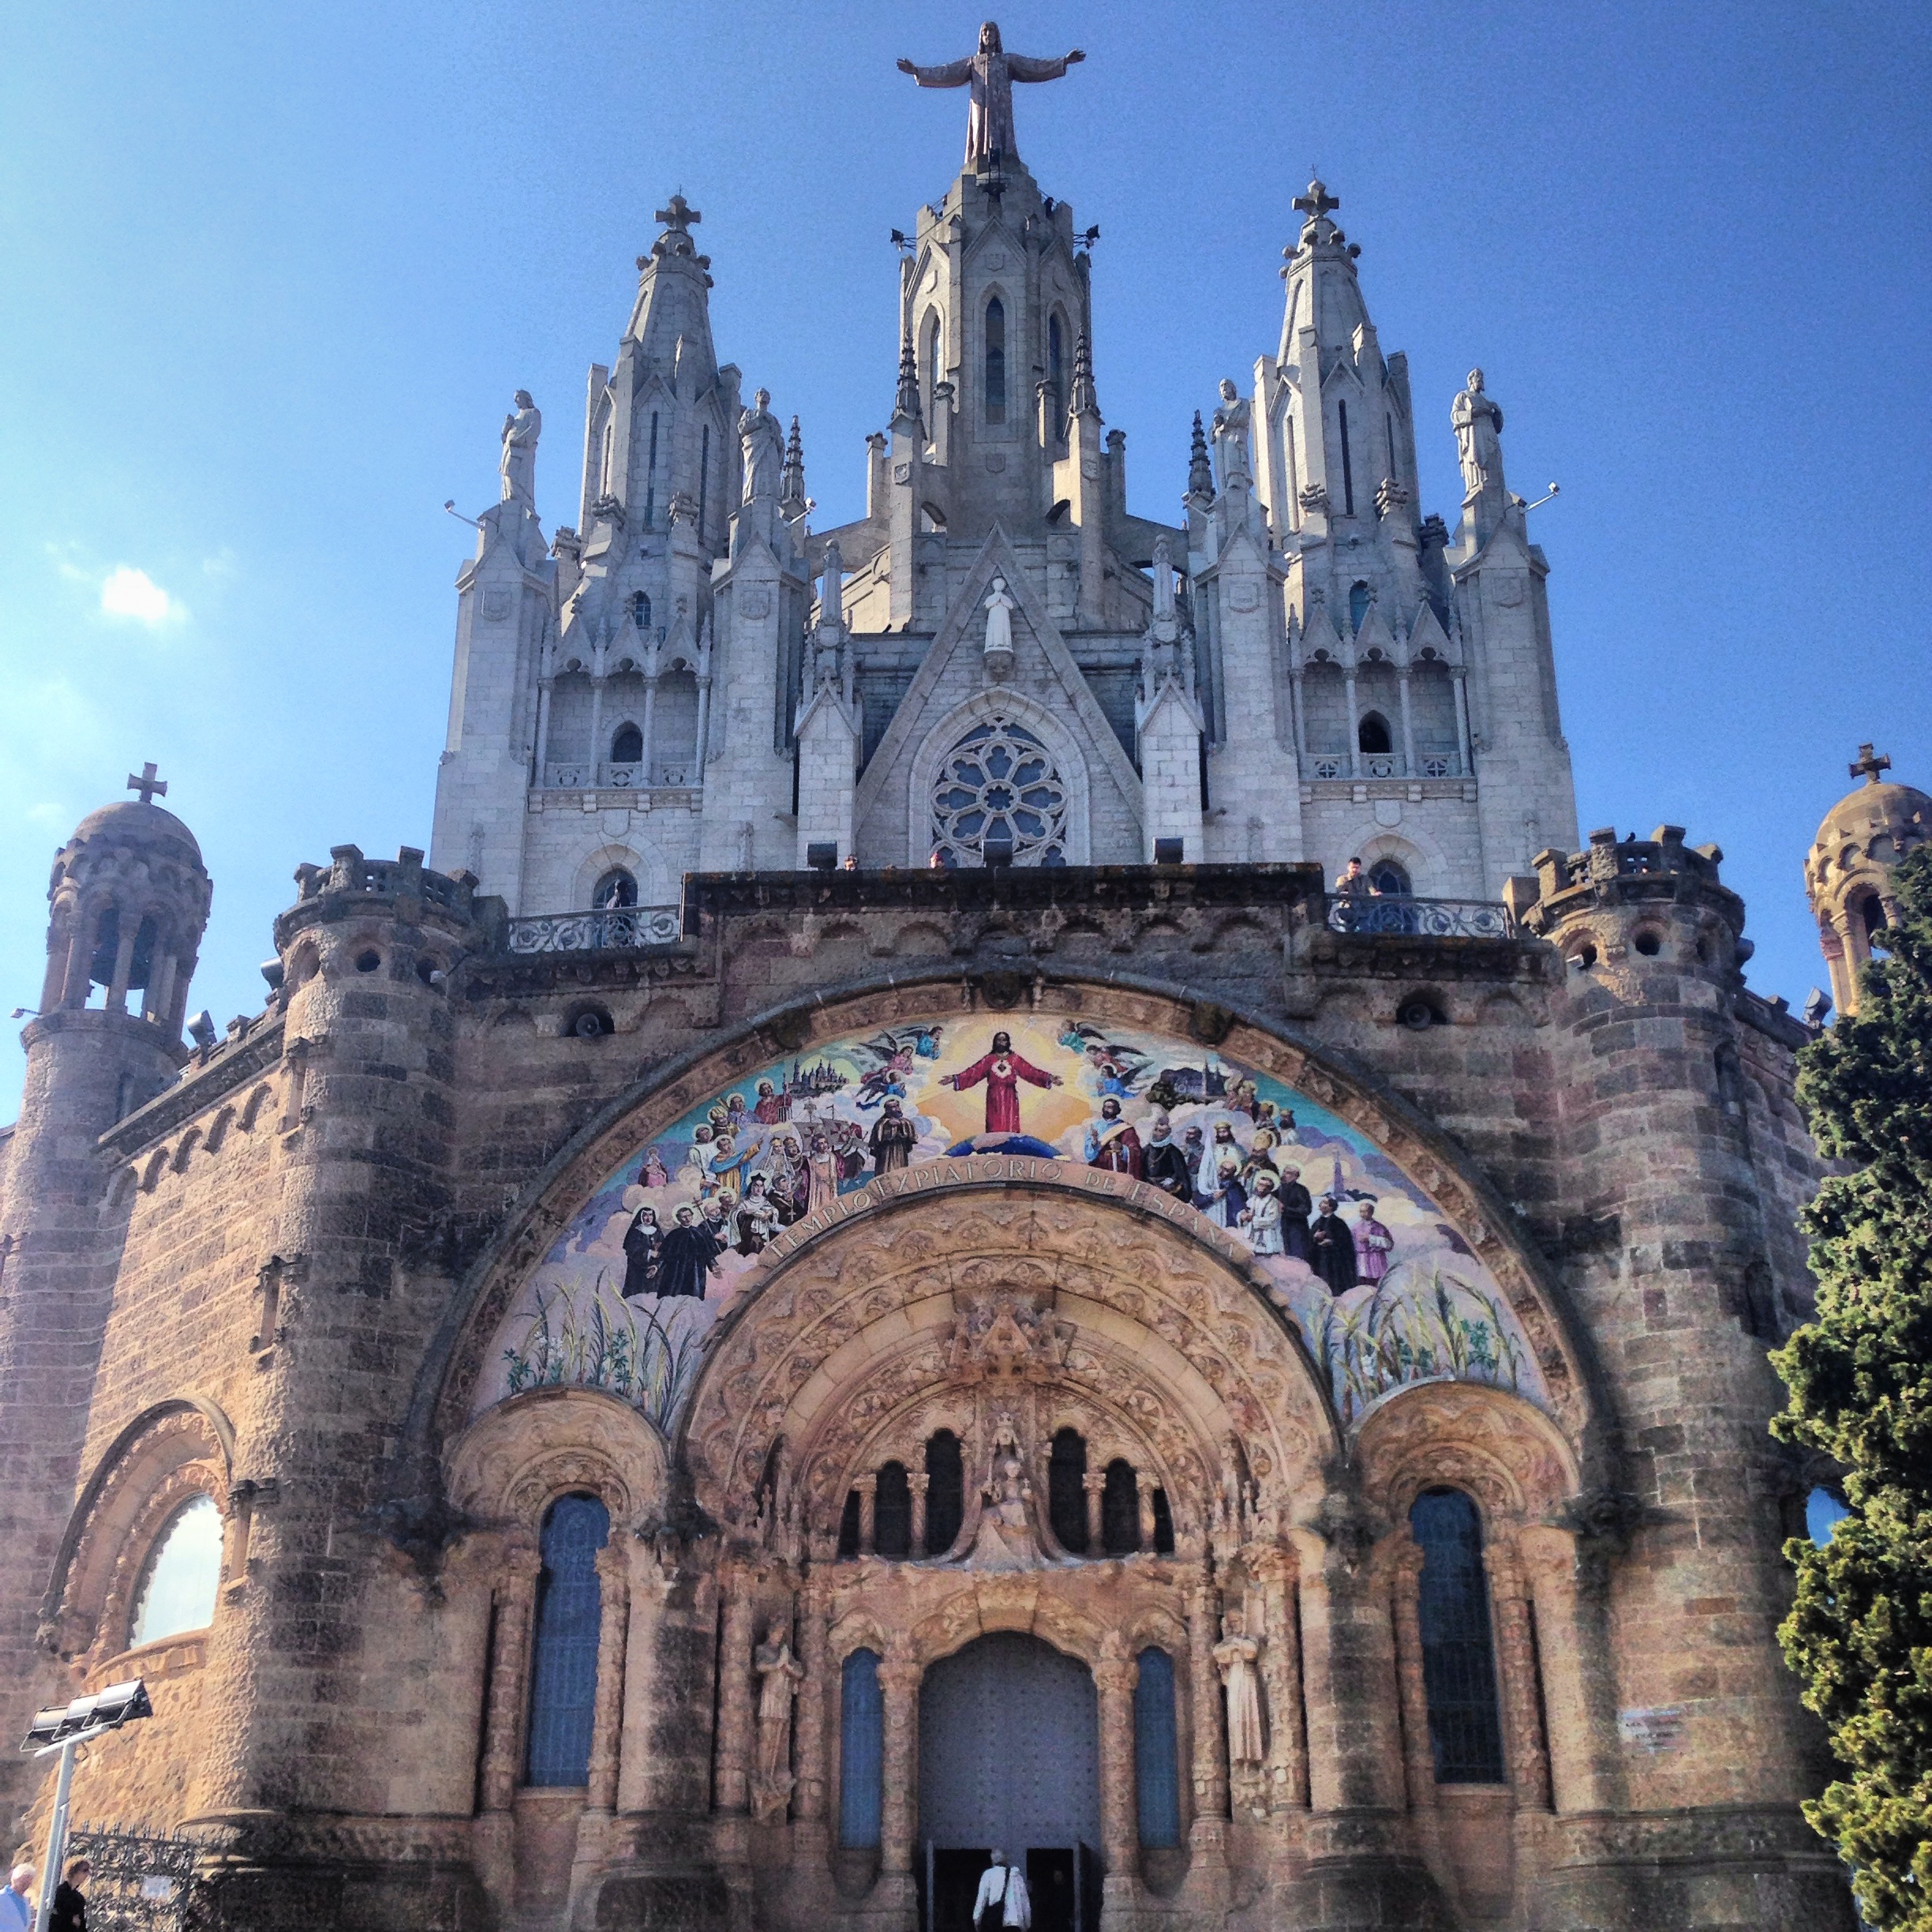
(763, 442)
(1235, 1657)
(518, 465)
(999, 609)
(1477, 420)
(780, 1675)
(1005, 1541)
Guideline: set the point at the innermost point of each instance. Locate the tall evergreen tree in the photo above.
(1860, 1377)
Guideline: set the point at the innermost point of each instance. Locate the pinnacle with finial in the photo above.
(1315, 200)
(791, 481)
(1867, 767)
(1201, 471)
(906, 401)
(681, 217)
(1083, 401)
(147, 784)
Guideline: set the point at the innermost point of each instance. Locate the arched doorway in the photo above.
(1009, 1739)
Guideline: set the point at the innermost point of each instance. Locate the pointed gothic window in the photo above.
(1372, 734)
(892, 1512)
(1348, 464)
(934, 360)
(1120, 1510)
(651, 490)
(1389, 879)
(616, 889)
(1359, 600)
(999, 797)
(627, 745)
(640, 610)
(704, 480)
(995, 384)
(1056, 377)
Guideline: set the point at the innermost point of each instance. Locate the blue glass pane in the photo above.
(1458, 1664)
(1823, 1513)
(1157, 1776)
(862, 1748)
(564, 1661)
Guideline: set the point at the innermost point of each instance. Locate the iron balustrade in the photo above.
(615, 929)
(1397, 914)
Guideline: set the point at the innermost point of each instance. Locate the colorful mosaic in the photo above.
(1384, 1289)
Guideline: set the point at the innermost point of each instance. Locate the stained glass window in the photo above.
(1157, 1779)
(862, 1747)
(563, 1659)
(998, 793)
(1458, 1663)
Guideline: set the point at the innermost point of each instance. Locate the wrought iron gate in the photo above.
(139, 1882)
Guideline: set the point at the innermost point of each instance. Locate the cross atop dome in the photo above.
(1866, 766)
(147, 784)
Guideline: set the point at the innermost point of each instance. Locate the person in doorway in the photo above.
(1002, 1899)
(17, 1911)
(70, 1913)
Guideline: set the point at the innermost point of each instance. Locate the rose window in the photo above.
(999, 798)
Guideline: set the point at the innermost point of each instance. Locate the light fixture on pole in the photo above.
(64, 1728)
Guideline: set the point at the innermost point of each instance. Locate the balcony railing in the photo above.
(1395, 914)
(614, 930)
(1384, 765)
(582, 775)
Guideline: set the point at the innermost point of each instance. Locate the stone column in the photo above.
(640, 1763)
(920, 1482)
(503, 1746)
(1115, 1675)
(1405, 1575)
(899, 1681)
(1144, 1508)
(1094, 1486)
(1529, 1756)
(1549, 1556)
(704, 726)
(543, 731)
(650, 728)
(596, 729)
(1298, 687)
(613, 1566)
(734, 1744)
(124, 962)
(1211, 1778)
(1348, 1675)
(1408, 730)
(810, 1738)
(1354, 724)
(1458, 678)
(1280, 1675)
(867, 1486)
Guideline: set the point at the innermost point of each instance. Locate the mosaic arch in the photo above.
(1384, 1289)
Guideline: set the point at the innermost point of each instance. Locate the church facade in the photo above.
(879, 1255)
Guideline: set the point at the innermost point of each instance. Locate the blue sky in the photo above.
(272, 273)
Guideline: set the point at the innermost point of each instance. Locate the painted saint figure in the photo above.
(1113, 1144)
(1165, 1165)
(643, 1243)
(690, 1256)
(1373, 1243)
(893, 1139)
(1334, 1248)
(990, 73)
(1002, 1069)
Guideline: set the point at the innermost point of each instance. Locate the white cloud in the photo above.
(220, 566)
(130, 592)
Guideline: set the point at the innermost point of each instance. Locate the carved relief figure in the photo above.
(780, 1675)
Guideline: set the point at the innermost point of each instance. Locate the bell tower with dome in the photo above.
(1849, 868)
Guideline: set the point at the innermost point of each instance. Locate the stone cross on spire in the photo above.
(147, 784)
(1867, 767)
(1315, 200)
(680, 216)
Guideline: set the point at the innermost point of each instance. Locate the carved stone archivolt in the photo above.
(1505, 1452)
(1007, 1293)
(161, 1462)
(514, 1460)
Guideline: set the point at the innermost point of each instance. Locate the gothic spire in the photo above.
(1201, 471)
(673, 305)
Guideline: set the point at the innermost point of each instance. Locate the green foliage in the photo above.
(1859, 1635)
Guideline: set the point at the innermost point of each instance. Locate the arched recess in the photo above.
(454, 1361)
(646, 866)
(507, 1468)
(1069, 762)
(167, 1456)
(1046, 1302)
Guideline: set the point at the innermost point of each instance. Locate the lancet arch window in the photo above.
(892, 1511)
(994, 384)
(946, 1491)
(1056, 377)
(1458, 1656)
(1372, 735)
(627, 745)
(932, 361)
(1157, 1752)
(616, 889)
(641, 609)
(862, 1751)
(563, 1655)
(1000, 798)
(1066, 1491)
(1120, 1510)
(1360, 598)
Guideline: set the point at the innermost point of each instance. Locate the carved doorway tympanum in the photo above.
(1008, 1757)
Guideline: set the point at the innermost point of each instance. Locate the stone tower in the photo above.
(129, 899)
(1848, 869)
